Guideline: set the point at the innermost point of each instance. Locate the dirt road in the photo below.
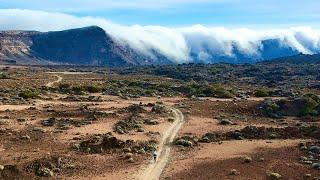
(50, 84)
(154, 170)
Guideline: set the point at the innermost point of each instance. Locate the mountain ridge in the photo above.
(94, 46)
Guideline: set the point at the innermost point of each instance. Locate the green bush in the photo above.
(223, 93)
(4, 75)
(262, 93)
(93, 89)
(29, 93)
(313, 96)
(77, 89)
(64, 86)
(311, 106)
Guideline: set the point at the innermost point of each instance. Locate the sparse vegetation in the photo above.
(262, 93)
(29, 93)
(307, 105)
(68, 119)
(4, 75)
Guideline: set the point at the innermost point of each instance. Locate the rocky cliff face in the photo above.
(84, 46)
(15, 45)
(93, 46)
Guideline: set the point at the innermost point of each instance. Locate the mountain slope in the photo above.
(83, 46)
(93, 46)
(297, 59)
(268, 49)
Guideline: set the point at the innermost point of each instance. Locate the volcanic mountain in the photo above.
(93, 46)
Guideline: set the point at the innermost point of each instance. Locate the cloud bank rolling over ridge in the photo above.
(182, 44)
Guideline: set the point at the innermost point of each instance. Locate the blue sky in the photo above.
(228, 13)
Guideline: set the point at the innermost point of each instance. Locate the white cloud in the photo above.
(174, 43)
(88, 5)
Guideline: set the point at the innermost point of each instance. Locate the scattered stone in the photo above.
(247, 159)
(49, 122)
(39, 129)
(140, 130)
(237, 135)
(119, 130)
(76, 146)
(141, 151)
(128, 155)
(275, 176)
(21, 120)
(4, 122)
(127, 150)
(26, 137)
(225, 122)
(307, 162)
(159, 109)
(316, 166)
(315, 149)
(151, 122)
(184, 143)
(171, 119)
(135, 108)
(1, 167)
(234, 172)
(131, 160)
(44, 172)
(209, 137)
(307, 176)
(205, 139)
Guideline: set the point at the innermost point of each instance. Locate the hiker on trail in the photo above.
(155, 155)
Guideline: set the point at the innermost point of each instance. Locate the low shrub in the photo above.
(262, 93)
(29, 93)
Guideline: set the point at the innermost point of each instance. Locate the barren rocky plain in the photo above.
(87, 123)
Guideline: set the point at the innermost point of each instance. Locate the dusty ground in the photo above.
(27, 144)
(216, 160)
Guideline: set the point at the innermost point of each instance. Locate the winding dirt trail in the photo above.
(154, 170)
(50, 84)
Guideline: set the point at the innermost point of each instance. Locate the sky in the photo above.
(173, 13)
(177, 28)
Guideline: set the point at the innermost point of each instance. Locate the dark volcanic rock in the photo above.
(88, 46)
(82, 46)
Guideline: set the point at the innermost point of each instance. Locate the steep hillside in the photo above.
(268, 49)
(93, 46)
(297, 59)
(83, 46)
(15, 47)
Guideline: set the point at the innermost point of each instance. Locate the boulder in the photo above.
(315, 149)
(234, 172)
(49, 122)
(316, 166)
(247, 159)
(4, 122)
(159, 109)
(128, 155)
(26, 137)
(131, 160)
(275, 176)
(151, 122)
(44, 172)
(184, 143)
(225, 122)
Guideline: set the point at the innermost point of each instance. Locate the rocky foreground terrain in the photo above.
(63, 122)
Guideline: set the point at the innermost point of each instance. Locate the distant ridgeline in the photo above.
(93, 46)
